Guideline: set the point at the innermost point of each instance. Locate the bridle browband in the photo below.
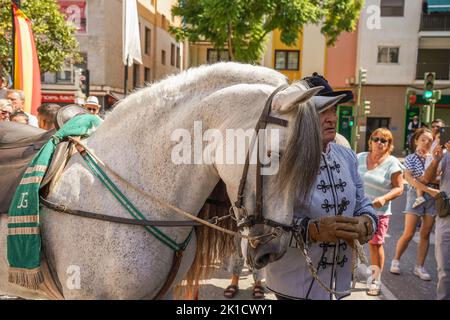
(258, 218)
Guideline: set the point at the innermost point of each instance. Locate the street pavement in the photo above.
(406, 286)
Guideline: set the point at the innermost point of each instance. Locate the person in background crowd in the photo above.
(92, 105)
(17, 98)
(236, 264)
(382, 175)
(413, 126)
(19, 116)
(6, 109)
(47, 115)
(440, 166)
(3, 87)
(415, 168)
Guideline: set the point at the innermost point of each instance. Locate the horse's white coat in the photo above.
(125, 262)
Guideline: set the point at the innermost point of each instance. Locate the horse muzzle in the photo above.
(268, 244)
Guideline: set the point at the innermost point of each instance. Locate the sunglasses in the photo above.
(376, 139)
(92, 109)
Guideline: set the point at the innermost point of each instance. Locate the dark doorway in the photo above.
(372, 125)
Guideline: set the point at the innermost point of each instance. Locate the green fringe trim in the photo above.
(26, 278)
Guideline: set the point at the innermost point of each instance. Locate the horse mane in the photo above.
(213, 246)
(193, 83)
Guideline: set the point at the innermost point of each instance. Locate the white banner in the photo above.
(131, 34)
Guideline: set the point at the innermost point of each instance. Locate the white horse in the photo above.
(116, 261)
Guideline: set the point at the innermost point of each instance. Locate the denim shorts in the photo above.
(428, 207)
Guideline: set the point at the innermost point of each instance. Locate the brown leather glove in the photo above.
(330, 229)
(363, 228)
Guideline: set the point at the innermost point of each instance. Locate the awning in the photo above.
(438, 6)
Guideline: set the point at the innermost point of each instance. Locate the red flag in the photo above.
(27, 75)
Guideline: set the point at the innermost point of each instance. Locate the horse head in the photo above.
(264, 207)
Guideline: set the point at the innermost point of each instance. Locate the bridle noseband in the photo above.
(245, 219)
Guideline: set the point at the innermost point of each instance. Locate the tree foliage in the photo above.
(54, 38)
(241, 26)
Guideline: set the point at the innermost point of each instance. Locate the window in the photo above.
(135, 75)
(178, 57)
(172, 54)
(214, 56)
(388, 54)
(163, 57)
(287, 59)
(146, 75)
(148, 40)
(392, 8)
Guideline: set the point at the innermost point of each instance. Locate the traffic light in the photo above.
(427, 95)
(366, 106)
(351, 121)
(437, 95)
(84, 81)
(429, 81)
(362, 76)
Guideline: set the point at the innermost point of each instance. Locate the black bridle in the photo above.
(246, 220)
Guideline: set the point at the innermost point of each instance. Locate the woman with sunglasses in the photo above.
(382, 175)
(415, 168)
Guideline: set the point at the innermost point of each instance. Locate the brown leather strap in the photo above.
(97, 216)
(176, 262)
(261, 124)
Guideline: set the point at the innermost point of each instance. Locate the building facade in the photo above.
(407, 41)
(99, 33)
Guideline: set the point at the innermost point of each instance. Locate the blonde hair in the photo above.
(387, 134)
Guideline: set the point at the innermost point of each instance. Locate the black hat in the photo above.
(319, 81)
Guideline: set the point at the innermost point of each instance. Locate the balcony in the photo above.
(442, 70)
(435, 22)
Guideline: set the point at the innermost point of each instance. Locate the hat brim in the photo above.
(348, 95)
(323, 103)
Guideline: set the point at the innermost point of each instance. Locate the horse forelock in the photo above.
(300, 162)
(191, 84)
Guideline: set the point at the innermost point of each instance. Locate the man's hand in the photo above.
(330, 229)
(360, 228)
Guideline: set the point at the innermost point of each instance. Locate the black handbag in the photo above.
(442, 204)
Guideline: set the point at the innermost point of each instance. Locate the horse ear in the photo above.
(286, 100)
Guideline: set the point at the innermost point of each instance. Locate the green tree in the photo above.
(54, 38)
(241, 26)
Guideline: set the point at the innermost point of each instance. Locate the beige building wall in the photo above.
(386, 102)
(314, 47)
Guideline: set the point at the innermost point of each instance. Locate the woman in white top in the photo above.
(382, 175)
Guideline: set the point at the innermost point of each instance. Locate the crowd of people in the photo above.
(12, 104)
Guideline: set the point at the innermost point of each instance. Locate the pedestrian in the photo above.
(47, 115)
(236, 264)
(92, 105)
(440, 167)
(337, 212)
(414, 171)
(413, 126)
(17, 98)
(382, 175)
(20, 117)
(3, 87)
(6, 109)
